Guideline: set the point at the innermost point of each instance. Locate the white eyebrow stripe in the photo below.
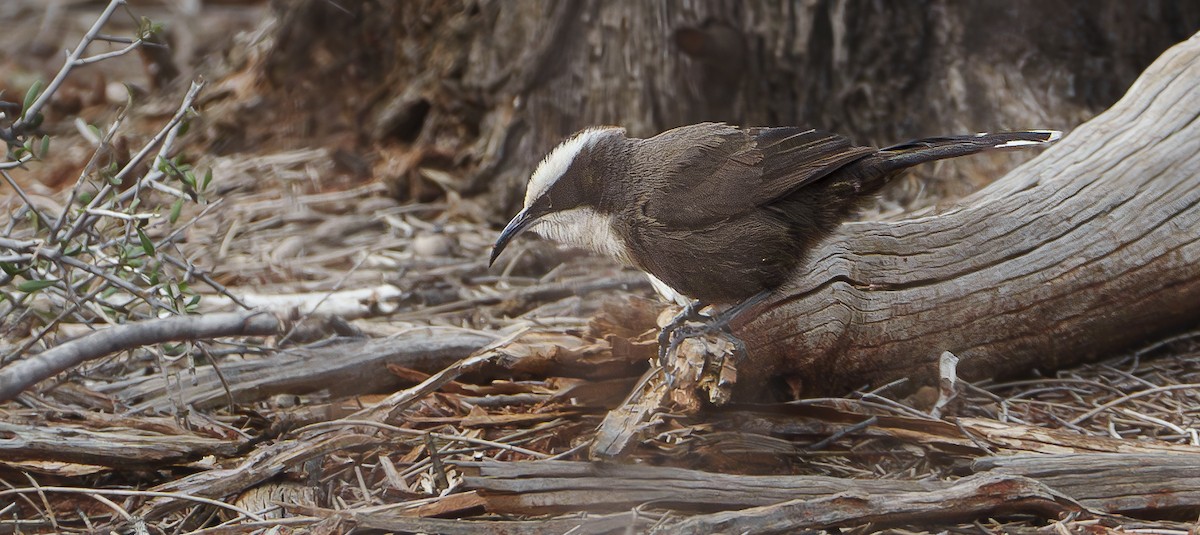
(555, 164)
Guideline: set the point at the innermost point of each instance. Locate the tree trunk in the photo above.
(485, 89)
(1090, 249)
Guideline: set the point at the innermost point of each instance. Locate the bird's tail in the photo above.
(919, 151)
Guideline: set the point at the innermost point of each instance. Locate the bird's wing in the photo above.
(713, 172)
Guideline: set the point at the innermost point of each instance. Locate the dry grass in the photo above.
(455, 370)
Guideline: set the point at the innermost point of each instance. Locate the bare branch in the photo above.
(71, 63)
(17, 377)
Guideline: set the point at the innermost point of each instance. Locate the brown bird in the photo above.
(715, 214)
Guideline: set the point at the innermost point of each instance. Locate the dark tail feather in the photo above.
(929, 149)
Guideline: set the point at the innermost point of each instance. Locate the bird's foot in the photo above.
(690, 324)
(715, 326)
(666, 337)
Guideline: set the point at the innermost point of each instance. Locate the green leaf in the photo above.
(31, 286)
(176, 207)
(189, 179)
(183, 128)
(147, 245)
(9, 269)
(95, 130)
(207, 179)
(45, 147)
(31, 95)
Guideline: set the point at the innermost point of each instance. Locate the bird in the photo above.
(717, 214)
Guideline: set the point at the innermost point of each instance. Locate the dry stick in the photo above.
(101, 144)
(391, 407)
(145, 493)
(155, 173)
(16, 378)
(336, 286)
(970, 497)
(538, 292)
(42, 219)
(1085, 416)
(16, 163)
(252, 527)
(417, 432)
(204, 276)
(45, 501)
(168, 130)
(73, 59)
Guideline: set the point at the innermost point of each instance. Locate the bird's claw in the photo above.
(666, 337)
(679, 329)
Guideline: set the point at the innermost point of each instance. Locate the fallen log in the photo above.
(1088, 250)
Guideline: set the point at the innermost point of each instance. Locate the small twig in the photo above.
(417, 432)
(1143, 393)
(72, 61)
(1156, 421)
(139, 493)
(167, 130)
(42, 219)
(108, 55)
(16, 163)
(104, 143)
(435, 460)
(204, 276)
(100, 212)
(45, 501)
(896, 406)
(395, 404)
(336, 286)
(824, 443)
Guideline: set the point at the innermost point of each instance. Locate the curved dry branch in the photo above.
(1087, 250)
(18, 376)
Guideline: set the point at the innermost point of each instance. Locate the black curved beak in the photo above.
(510, 231)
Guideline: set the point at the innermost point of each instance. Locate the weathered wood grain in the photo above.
(1088, 250)
(1126, 483)
(354, 367)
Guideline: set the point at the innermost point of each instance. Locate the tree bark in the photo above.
(1088, 250)
(485, 89)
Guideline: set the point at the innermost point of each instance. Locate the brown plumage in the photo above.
(715, 212)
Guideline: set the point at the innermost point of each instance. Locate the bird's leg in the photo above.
(716, 324)
(691, 312)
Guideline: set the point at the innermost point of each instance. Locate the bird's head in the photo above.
(564, 196)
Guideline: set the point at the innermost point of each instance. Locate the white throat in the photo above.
(588, 229)
(585, 228)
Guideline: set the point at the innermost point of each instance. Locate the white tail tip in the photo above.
(1051, 137)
